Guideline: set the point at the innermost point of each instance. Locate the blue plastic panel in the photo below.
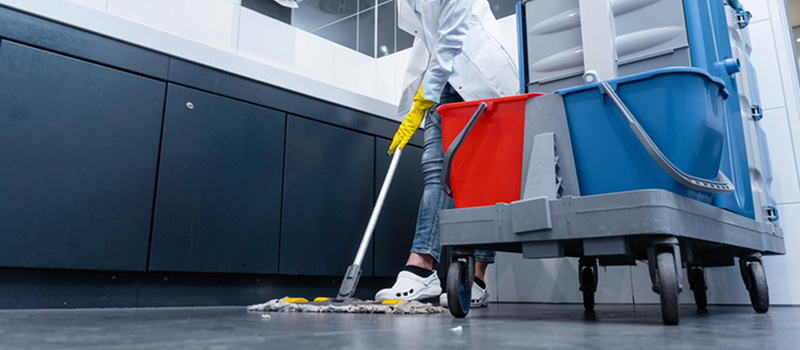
(711, 50)
(522, 48)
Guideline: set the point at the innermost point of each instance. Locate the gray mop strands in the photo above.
(368, 307)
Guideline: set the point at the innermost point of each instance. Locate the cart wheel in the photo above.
(697, 281)
(668, 287)
(459, 288)
(759, 291)
(588, 285)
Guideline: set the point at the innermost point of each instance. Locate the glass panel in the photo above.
(365, 4)
(313, 14)
(343, 32)
(404, 40)
(796, 31)
(386, 28)
(351, 23)
(269, 8)
(503, 8)
(366, 32)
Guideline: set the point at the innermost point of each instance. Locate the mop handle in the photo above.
(376, 211)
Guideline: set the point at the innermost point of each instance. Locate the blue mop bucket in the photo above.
(677, 146)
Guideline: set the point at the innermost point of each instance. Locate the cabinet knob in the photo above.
(189, 106)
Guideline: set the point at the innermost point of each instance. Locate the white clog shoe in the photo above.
(410, 286)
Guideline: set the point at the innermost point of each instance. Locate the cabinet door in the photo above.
(327, 198)
(395, 230)
(78, 156)
(219, 185)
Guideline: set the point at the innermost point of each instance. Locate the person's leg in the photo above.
(424, 261)
(480, 269)
(418, 280)
(482, 260)
(426, 248)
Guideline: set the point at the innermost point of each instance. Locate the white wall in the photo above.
(776, 64)
(224, 35)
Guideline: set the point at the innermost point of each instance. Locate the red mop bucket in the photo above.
(487, 136)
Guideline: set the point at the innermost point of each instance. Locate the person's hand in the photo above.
(412, 122)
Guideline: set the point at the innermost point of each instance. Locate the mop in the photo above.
(354, 306)
(344, 301)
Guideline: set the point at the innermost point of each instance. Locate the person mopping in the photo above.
(456, 57)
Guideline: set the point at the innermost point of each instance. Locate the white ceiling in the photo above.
(794, 12)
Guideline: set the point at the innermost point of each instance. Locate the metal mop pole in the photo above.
(353, 274)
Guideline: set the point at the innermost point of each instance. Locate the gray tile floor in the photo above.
(501, 326)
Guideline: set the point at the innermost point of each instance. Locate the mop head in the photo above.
(362, 307)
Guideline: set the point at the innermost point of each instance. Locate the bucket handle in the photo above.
(451, 151)
(721, 185)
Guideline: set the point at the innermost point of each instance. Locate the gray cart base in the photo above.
(553, 220)
(668, 230)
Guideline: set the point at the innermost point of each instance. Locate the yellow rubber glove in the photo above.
(412, 121)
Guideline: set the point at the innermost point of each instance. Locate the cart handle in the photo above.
(721, 185)
(451, 151)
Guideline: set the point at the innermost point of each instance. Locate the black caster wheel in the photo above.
(756, 283)
(697, 282)
(459, 286)
(667, 275)
(588, 283)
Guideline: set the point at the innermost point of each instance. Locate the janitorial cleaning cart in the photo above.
(641, 142)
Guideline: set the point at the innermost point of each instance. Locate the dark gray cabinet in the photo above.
(78, 154)
(327, 198)
(395, 230)
(219, 187)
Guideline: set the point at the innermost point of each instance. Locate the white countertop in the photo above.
(125, 30)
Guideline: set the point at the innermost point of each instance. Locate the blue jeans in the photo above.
(434, 200)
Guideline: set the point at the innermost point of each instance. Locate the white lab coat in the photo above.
(456, 42)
